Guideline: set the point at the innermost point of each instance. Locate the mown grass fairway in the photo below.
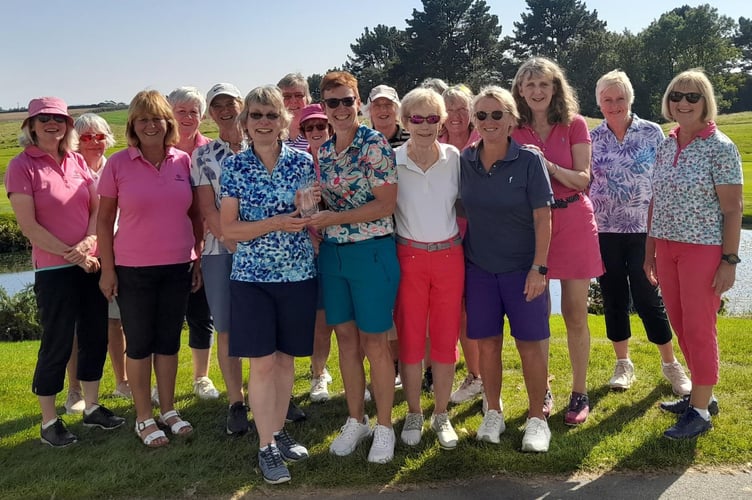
(624, 432)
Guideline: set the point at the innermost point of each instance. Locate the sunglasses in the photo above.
(432, 119)
(319, 126)
(692, 97)
(91, 137)
(257, 116)
(333, 102)
(45, 118)
(496, 115)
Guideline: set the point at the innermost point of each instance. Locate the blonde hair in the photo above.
(563, 106)
(267, 95)
(150, 102)
(697, 78)
(422, 95)
(500, 95)
(615, 78)
(68, 143)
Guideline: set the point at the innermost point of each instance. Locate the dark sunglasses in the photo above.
(269, 116)
(333, 102)
(318, 126)
(432, 119)
(45, 118)
(91, 137)
(496, 115)
(692, 97)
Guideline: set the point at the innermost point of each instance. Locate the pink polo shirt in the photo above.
(154, 226)
(62, 199)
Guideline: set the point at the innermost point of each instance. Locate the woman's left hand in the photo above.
(535, 285)
(724, 278)
(197, 279)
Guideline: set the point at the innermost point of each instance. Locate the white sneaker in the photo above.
(327, 376)
(484, 406)
(680, 384)
(319, 389)
(367, 396)
(537, 436)
(382, 448)
(204, 388)
(74, 403)
(491, 427)
(155, 395)
(398, 381)
(444, 431)
(623, 375)
(470, 388)
(351, 434)
(413, 429)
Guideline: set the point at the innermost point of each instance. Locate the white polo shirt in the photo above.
(425, 200)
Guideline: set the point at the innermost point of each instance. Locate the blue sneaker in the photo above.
(291, 450)
(679, 406)
(272, 466)
(690, 425)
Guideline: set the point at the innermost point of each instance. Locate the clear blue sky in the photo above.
(96, 50)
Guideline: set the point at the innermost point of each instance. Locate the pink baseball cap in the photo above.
(49, 106)
(312, 111)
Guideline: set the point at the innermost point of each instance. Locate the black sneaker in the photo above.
(103, 418)
(57, 435)
(428, 380)
(690, 425)
(294, 414)
(291, 450)
(237, 419)
(680, 406)
(272, 466)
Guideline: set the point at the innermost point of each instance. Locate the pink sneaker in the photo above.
(578, 410)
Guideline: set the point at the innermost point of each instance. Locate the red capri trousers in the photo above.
(429, 298)
(685, 273)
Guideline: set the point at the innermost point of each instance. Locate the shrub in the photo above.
(18, 316)
(11, 237)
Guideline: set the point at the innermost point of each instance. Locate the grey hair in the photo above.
(92, 121)
(295, 80)
(267, 95)
(192, 95)
(615, 78)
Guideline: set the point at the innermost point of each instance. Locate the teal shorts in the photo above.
(359, 282)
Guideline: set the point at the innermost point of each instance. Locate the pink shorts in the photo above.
(429, 297)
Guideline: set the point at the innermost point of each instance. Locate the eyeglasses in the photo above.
(432, 119)
(91, 137)
(692, 97)
(496, 115)
(333, 102)
(258, 116)
(319, 126)
(44, 118)
(297, 95)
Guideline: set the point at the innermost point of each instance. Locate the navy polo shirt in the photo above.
(499, 207)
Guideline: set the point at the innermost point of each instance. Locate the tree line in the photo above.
(460, 41)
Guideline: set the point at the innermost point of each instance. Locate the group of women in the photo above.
(517, 168)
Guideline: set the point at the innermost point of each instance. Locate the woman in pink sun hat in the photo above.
(55, 202)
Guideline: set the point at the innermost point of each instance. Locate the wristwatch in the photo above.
(543, 269)
(731, 258)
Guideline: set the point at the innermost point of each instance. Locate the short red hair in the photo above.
(335, 79)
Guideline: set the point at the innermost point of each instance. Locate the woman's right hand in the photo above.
(108, 284)
(291, 223)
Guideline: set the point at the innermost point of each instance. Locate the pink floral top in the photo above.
(348, 179)
(685, 204)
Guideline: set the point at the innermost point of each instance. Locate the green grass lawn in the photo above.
(622, 434)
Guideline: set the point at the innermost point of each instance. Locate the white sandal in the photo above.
(152, 436)
(176, 427)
